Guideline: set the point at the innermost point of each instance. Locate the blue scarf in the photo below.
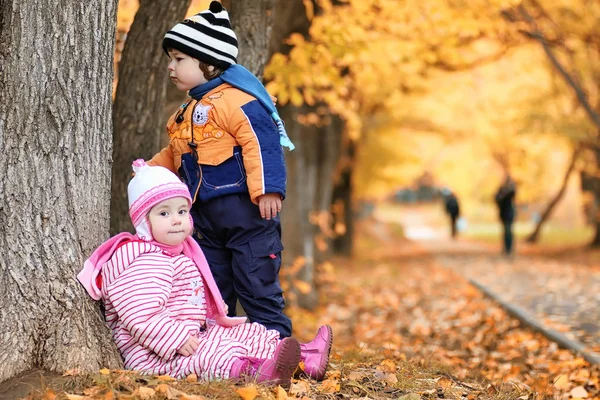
(242, 79)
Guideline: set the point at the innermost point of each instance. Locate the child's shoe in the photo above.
(279, 369)
(315, 353)
(273, 371)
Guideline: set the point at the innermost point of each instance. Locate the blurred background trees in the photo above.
(379, 94)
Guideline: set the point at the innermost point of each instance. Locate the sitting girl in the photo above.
(163, 305)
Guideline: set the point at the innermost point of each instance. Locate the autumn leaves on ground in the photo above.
(406, 327)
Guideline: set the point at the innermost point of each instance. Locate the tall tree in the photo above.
(567, 34)
(140, 99)
(310, 166)
(55, 136)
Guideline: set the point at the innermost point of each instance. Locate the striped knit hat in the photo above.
(150, 186)
(206, 36)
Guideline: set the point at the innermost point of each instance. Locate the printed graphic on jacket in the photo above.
(197, 296)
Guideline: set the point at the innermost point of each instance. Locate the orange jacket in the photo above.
(237, 145)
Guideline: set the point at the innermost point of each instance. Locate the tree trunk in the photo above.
(305, 212)
(140, 98)
(342, 203)
(252, 23)
(310, 169)
(533, 238)
(595, 243)
(595, 185)
(55, 136)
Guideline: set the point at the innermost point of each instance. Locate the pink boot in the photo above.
(273, 371)
(315, 353)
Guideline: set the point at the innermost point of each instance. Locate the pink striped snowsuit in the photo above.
(154, 301)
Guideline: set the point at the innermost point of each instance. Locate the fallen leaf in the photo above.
(391, 378)
(410, 396)
(49, 395)
(281, 393)
(330, 386)
(356, 376)
(105, 371)
(174, 394)
(579, 392)
(301, 365)
(165, 378)
(583, 375)
(300, 388)
(191, 378)
(335, 374)
(248, 392)
(444, 383)
(562, 382)
(74, 397)
(92, 391)
(162, 388)
(145, 392)
(387, 366)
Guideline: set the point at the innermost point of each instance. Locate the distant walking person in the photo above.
(505, 199)
(452, 209)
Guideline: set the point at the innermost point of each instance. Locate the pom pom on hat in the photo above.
(206, 36)
(150, 186)
(215, 7)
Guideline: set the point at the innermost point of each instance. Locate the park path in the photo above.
(559, 292)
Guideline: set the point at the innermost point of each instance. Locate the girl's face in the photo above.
(185, 71)
(170, 221)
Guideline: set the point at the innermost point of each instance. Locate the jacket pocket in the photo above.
(265, 262)
(221, 167)
(191, 174)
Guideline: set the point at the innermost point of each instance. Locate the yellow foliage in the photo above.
(303, 287)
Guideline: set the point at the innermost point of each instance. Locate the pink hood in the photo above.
(93, 267)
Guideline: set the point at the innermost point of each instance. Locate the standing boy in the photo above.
(226, 145)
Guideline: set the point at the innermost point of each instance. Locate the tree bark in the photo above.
(55, 136)
(252, 23)
(533, 238)
(140, 98)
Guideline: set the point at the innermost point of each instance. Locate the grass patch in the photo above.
(551, 235)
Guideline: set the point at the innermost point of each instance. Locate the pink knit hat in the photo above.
(150, 186)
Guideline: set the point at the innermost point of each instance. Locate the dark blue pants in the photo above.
(244, 254)
(508, 235)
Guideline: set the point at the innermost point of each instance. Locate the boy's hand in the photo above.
(189, 347)
(269, 205)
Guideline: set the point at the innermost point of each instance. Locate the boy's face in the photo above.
(185, 71)
(170, 221)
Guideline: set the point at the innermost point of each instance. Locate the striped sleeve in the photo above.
(139, 297)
